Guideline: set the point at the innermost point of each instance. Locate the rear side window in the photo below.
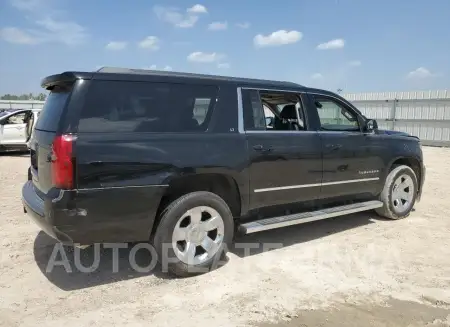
(51, 112)
(115, 106)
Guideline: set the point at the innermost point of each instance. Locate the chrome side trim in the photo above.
(356, 133)
(305, 217)
(240, 111)
(281, 188)
(119, 187)
(352, 181)
(280, 132)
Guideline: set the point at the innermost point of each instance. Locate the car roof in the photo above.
(13, 112)
(130, 74)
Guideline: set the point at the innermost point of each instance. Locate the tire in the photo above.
(190, 217)
(398, 204)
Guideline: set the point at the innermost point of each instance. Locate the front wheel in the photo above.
(194, 233)
(399, 193)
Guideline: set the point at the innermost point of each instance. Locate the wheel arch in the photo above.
(412, 163)
(220, 184)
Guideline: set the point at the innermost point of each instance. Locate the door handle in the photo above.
(342, 168)
(258, 147)
(96, 163)
(333, 146)
(261, 148)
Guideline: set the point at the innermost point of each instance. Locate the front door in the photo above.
(352, 164)
(14, 129)
(285, 164)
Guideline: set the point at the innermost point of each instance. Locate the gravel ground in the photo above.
(357, 270)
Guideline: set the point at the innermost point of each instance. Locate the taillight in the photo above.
(62, 165)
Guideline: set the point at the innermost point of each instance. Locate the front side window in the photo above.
(113, 106)
(334, 116)
(16, 119)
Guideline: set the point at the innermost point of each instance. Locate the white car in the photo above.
(16, 128)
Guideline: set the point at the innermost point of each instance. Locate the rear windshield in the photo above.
(52, 111)
(114, 106)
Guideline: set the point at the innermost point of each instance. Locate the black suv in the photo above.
(187, 160)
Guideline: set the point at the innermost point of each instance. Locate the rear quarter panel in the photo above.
(123, 178)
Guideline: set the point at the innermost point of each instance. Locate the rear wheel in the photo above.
(194, 233)
(399, 193)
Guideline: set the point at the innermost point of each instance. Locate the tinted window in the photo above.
(52, 111)
(201, 106)
(254, 118)
(147, 107)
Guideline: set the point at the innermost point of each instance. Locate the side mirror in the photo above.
(371, 125)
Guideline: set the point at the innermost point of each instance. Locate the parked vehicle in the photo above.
(16, 127)
(4, 112)
(123, 155)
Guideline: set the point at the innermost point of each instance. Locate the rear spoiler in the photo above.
(63, 79)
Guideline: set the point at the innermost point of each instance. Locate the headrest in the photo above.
(288, 112)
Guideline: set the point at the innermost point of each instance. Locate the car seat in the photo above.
(287, 120)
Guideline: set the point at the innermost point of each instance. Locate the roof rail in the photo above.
(106, 69)
(121, 70)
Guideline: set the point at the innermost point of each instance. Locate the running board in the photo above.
(305, 217)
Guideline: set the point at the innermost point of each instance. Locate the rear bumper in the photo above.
(34, 206)
(89, 216)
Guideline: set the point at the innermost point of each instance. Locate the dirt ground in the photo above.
(357, 270)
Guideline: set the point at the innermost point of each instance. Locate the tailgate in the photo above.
(42, 139)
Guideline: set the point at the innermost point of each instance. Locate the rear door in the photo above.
(285, 166)
(42, 138)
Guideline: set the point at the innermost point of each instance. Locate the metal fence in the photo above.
(425, 114)
(21, 104)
